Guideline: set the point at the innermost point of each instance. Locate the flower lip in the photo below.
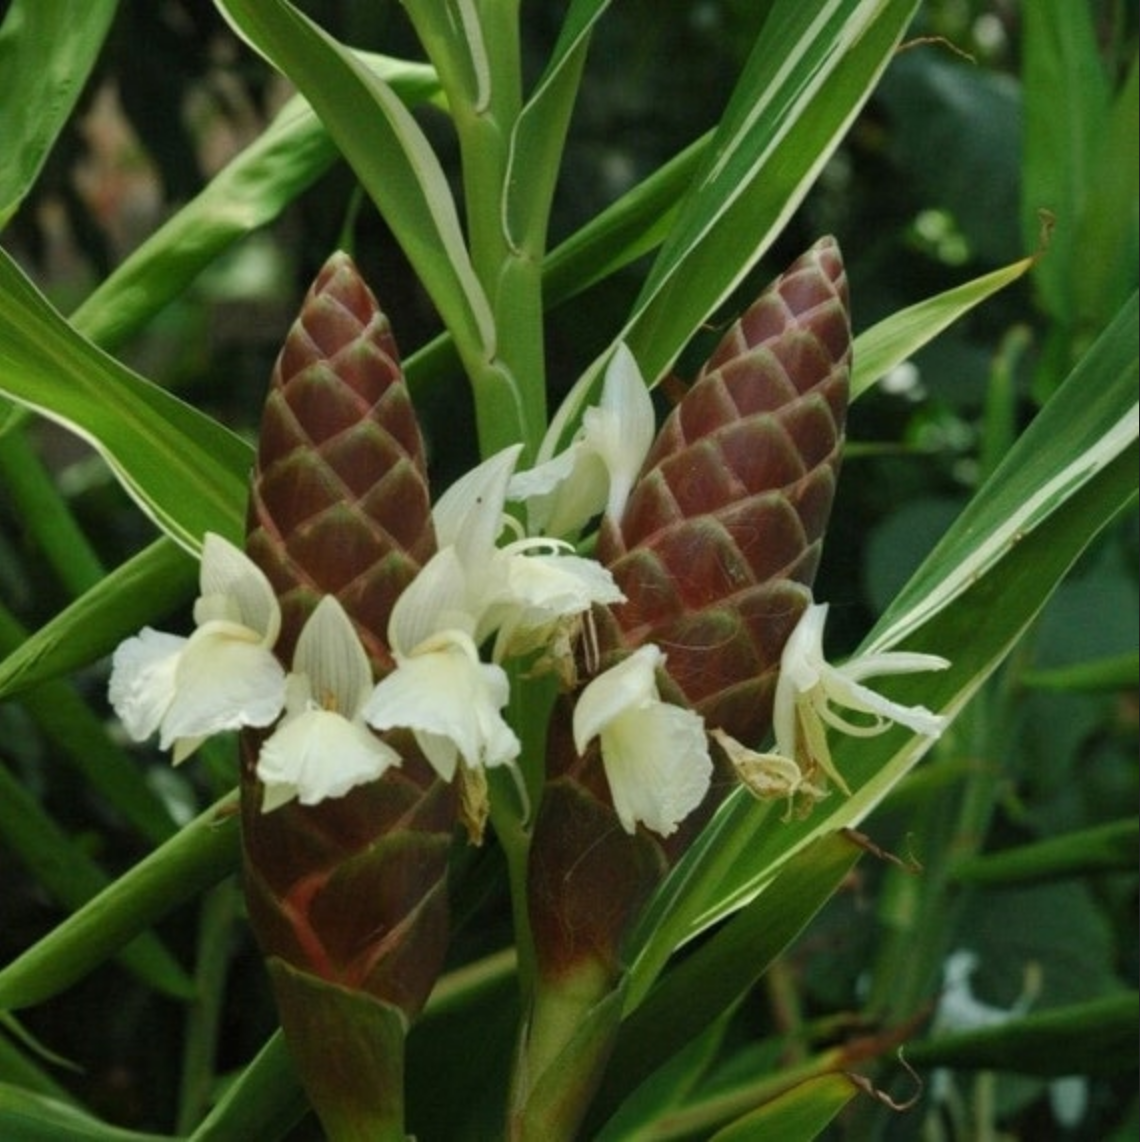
(655, 754)
(598, 470)
(223, 677)
(323, 748)
(450, 701)
(808, 691)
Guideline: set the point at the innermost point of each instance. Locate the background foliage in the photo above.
(939, 181)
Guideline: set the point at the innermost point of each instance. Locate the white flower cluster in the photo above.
(526, 595)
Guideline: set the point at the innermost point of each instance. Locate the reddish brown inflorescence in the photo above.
(724, 528)
(352, 890)
(715, 552)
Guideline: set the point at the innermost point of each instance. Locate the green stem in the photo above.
(565, 1045)
(45, 513)
(478, 59)
(220, 908)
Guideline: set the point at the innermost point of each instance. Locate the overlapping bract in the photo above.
(715, 550)
(352, 890)
(720, 540)
(339, 502)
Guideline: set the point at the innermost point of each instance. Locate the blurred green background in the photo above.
(995, 111)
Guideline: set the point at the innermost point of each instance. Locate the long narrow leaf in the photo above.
(1091, 420)
(539, 134)
(1104, 848)
(150, 583)
(889, 343)
(186, 471)
(265, 1102)
(798, 1116)
(33, 1117)
(718, 974)
(1094, 1038)
(1071, 471)
(389, 152)
(73, 879)
(47, 51)
(810, 72)
(197, 857)
(66, 720)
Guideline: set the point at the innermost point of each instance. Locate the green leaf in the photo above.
(797, 1116)
(197, 857)
(1094, 1038)
(151, 583)
(893, 340)
(186, 471)
(66, 720)
(38, 503)
(720, 972)
(1107, 236)
(539, 133)
(667, 1090)
(18, 1070)
(809, 73)
(47, 51)
(72, 878)
(32, 1117)
(1120, 672)
(248, 193)
(1065, 98)
(970, 602)
(1091, 421)
(265, 1101)
(638, 222)
(1103, 848)
(389, 152)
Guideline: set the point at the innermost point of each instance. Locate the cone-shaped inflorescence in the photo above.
(715, 552)
(721, 537)
(340, 502)
(352, 890)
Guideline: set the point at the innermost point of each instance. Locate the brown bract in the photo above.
(721, 537)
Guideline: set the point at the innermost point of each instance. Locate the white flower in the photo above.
(323, 748)
(599, 468)
(439, 689)
(222, 677)
(525, 590)
(808, 690)
(655, 754)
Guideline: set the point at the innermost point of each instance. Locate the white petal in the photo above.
(565, 492)
(142, 680)
(628, 685)
(802, 656)
(449, 693)
(223, 682)
(320, 755)
(469, 515)
(853, 696)
(622, 428)
(437, 599)
(233, 587)
(892, 662)
(657, 764)
(544, 479)
(560, 584)
(330, 655)
(441, 752)
(540, 592)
